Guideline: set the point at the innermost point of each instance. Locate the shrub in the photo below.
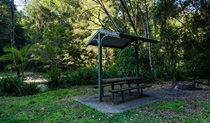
(89, 75)
(15, 86)
(167, 73)
(82, 76)
(125, 62)
(148, 76)
(12, 85)
(30, 89)
(55, 79)
(112, 72)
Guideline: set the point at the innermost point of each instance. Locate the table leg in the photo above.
(103, 91)
(121, 85)
(112, 85)
(122, 94)
(129, 85)
(142, 92)
(112, 95)
(137, 84)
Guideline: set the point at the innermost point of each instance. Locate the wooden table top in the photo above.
(120, 79)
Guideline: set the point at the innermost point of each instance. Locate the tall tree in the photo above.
(12, 32)
(184, 29)
(140, 10)
(4, 25)
(56, 28)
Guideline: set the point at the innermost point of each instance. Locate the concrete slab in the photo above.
(116, 106)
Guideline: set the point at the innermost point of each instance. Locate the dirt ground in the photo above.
(157, 93)
(201, 91)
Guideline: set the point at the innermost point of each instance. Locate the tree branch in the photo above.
(107, 13)
(129, 16)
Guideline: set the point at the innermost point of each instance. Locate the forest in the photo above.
(49, 36)
(45, 40)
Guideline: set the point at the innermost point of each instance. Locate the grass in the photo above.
(59, 106)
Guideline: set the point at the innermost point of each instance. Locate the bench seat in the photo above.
(109, 84)
(122, 90)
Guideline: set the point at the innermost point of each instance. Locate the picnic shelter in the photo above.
(113, 39)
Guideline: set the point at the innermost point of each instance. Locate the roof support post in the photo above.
(136, 58)
(100, 90)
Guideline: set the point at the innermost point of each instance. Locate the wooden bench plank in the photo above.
(129, 88)
(109, 84)
(122, 90)
(121, 79)
(105, 85)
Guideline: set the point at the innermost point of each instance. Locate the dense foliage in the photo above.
(57, 32)
(16, 87)
(6, 27)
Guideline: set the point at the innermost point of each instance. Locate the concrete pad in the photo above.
(116, 106)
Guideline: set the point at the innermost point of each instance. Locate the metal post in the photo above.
(100, 90)
(137, 64)
(136, 59)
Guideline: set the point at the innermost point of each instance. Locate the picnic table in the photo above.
(128, 80)
(121, 81)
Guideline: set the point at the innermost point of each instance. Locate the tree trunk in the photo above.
(129, 16)
(142, 21)
(147, 29)
(12, 32)
(107, 57)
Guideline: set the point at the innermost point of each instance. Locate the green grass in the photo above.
(59, 106)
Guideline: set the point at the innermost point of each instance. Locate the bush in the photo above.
(125, 62)
(15, 86)
(166, 74)
(148, 76)
(89, 75)
(82, 76)
(30, 89)
(112, 72)
(55, 78)
(12, 85)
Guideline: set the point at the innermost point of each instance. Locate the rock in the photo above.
(185, 85)
(42, 87)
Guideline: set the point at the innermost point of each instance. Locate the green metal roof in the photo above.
(116, 39)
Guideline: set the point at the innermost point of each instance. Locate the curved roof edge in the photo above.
(116, 39)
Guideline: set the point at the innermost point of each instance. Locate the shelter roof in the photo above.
(116, 39)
